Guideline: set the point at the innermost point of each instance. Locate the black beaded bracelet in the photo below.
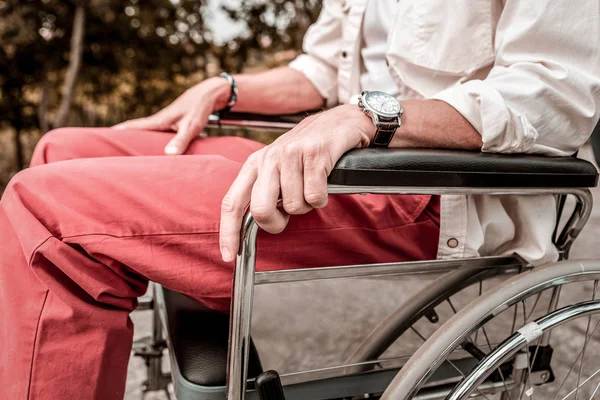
(233, 95)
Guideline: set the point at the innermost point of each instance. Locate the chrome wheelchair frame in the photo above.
(335, 382)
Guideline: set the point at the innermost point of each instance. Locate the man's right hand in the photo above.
(187, 115)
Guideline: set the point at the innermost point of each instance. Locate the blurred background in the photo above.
(99, 62)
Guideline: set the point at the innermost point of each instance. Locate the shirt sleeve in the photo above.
(543, 93)
(321, 46)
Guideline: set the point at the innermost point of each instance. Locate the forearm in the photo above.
(427, 124)
(277, 91)
(435, 124)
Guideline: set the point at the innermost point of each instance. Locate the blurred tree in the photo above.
(108, 60)
(126, 48)
(271, 26)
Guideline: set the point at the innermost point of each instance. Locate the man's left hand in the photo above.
(294, 168)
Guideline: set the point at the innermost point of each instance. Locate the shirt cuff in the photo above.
(502, 129)
(322, 76)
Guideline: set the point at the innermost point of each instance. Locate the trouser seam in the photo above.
(412, 221)
(131, 236)
(35, 337)
(36, 249)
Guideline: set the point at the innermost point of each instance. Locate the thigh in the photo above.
(157, 218)
(74, 143)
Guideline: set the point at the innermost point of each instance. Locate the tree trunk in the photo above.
(74, 66)
(19, 148)
(43, 107)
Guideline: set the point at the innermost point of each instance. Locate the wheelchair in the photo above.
(496, 344)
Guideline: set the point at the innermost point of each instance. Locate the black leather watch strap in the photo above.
(383, 137)
(385, 132)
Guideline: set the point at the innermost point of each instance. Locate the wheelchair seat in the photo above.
(198, 341)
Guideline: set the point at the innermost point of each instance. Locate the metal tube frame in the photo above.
(244, 275)
(214, 121)
(245, 271)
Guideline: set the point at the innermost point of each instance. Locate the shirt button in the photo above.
(344, 54)
(452, 243)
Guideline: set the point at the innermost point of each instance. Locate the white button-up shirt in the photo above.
(525, 74)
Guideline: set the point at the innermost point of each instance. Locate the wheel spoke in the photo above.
(488, 322)
(480, 292)
(583, 383)
(423, 338)
(463, 375)
(451, 305)
(489, 344)
(595, 390)
(487, 338)
(574, 364)
(585, 342)
(527, 381)
(537, 299)
(537, 347)
(530, 395)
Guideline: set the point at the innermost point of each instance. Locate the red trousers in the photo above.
(82, 235)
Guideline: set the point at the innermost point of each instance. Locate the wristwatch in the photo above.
(386, 113)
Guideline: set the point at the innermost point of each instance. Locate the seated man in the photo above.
(81, 238)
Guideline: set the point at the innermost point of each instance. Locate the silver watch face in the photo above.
(382, 103)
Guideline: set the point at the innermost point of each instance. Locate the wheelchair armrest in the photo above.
(457, 169)
(257, 121)
(434, 168)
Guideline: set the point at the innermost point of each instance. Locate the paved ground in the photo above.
(304, 326)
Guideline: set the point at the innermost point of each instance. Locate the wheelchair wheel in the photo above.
(517, 348)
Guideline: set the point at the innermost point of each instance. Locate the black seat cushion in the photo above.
(450, 168)
(199, 339)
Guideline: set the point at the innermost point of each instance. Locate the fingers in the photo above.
(190, 127)
(315, 183)
(296, 167)
(161, 121)
(264, 200)
(232, 209)
(292, 186)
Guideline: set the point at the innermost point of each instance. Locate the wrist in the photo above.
(365, 126)
(221, 92)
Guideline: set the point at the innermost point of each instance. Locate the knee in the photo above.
(24, 182)
(18, 187)
(34, 188)
(52, 146)
(61, 144)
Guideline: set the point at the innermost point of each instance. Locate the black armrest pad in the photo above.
(451, 168)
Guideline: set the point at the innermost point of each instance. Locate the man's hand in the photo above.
(187, 115)
(294, 168)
